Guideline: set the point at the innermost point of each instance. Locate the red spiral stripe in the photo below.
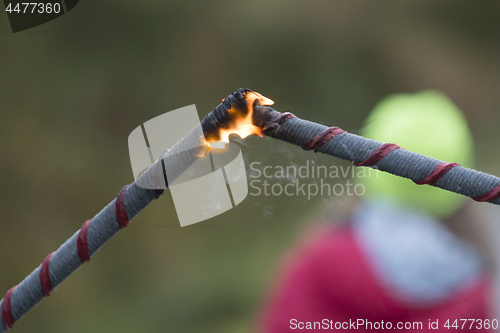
(8, 318)
(82, 245)
(322, 138)
(378, 154)
(120, 210)
(491, 195)
(45, 276)
(283, 117)
(439, 171)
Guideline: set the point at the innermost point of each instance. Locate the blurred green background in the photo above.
(73, 89)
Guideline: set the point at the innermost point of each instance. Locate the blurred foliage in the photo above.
(73, 89)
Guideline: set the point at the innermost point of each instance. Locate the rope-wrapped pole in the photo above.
(388, 157)
(94, 233)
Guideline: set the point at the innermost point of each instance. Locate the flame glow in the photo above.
(243, 125)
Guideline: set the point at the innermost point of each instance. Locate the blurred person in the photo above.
(408, 254)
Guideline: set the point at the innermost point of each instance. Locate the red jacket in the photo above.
(328, 283)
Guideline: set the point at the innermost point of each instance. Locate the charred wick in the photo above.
(263, 117)
(221, 117)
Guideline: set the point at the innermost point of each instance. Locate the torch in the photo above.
(244, 112)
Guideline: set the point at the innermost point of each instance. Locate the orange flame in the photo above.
(243, 125)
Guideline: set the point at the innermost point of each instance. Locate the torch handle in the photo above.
(94, 233)
(386, 157)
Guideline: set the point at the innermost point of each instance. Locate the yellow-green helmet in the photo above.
(428, 123)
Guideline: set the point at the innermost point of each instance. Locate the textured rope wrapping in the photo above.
(94, 233)
(386, 157)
